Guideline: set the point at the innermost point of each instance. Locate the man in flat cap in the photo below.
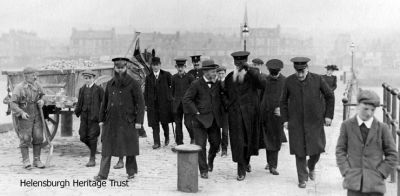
(26, 101)
(196, 72)
(89, 100)
(243, 106)
(221, 71)
(257, 63)
(158, 98)
(180, 83)
(303, 114)
(272, 125)
(121, 113)
(365, 151)
(203, 100)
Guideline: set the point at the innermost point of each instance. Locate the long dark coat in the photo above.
(272, 125)
(180, 84)
(160, 90)
(364, 167)
(122, 107)
(243, 106)
(331, 81)
(302, 107)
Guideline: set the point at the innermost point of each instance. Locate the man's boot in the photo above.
(92, 159)
(120, 163)
(25, 158)
(36, 156)
(211, 163)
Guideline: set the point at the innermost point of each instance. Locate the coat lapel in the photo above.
(356, 128)
(372, 131)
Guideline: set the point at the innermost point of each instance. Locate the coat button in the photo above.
(120, 91)
(112, 104)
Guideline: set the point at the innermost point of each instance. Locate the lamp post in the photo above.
(245, 33)
(352, 46)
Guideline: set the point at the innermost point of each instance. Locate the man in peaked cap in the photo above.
(203, 100)
(196, 72)
(26, 101)
(241, 94)
(365, 151)
(302, 108)
(180, 83)
(121, 113)
(90, 97)
(272, 127)
(157, 95)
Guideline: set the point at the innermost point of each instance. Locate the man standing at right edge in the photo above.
(303, 114)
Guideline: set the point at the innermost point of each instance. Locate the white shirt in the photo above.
(156, 74)
(90, 85)
(209, 85)
(367, 123)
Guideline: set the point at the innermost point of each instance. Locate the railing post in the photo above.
(398, 151)
(394, 92)
(345, 101)
(384, 101)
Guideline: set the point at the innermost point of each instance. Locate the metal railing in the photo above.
(349, 97)
(391, 97)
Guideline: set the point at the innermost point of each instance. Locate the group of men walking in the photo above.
(251, 107)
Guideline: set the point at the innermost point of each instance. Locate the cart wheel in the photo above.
(52, 121)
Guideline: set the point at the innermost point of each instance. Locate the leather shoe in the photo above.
(210, 167)
(166, 142)
(240, 177)
(267, 167)
(302, 185)
(204, 175)
(91, 163)
(248, 168)
(142, 134)
(191, 141)
(155, 146)
(99, 178)
(131, 176)
(224, 153)
(273, 171)
(311, 175)
(119, 165)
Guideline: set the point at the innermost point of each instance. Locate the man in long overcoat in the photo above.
(203, 100)
(158, 98)
(272, 125)
(303, 114)
(121, 113)
(365, 151)
(243, 105)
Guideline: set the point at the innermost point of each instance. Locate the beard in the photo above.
(120, 77)
(239, 75)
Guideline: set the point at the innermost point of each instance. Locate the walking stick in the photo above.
(46, 134)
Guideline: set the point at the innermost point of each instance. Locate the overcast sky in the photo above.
(55, 18)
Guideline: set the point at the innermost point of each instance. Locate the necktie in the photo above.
(364, 132)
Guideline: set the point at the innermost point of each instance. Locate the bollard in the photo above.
(188, 167)
(66, 123)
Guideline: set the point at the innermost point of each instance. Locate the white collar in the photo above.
(90, 86)
(156, 73)
(367, 123)
(206, 79)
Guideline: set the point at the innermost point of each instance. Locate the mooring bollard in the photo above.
(66, 123)
(188, 167)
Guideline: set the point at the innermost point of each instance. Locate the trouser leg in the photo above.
(200, 137)
(301, 166)
(224, 140)
(188, 124)
(214, 138)
(313, 161)
(156, 134)
(105, 166)
(272, 158)
(92, 137)
(131, 165)
(166, 130)
(84, 129)
(178, 127)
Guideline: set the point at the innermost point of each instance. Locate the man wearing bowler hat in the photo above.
(365, 151)
(243, 105)
(89, 100)
(303, 114)
(196, 72)
(272, 125)
(180, 83)
(203, 100)
(121, 113)
(158, 98)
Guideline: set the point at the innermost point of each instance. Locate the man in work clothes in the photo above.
(158, 98)
(121, 113)
(203, 99)
(26, 101)
(303, 114)
(243, 106)
(89, 101)
(196, 72)
(272, 125)
(180, 83)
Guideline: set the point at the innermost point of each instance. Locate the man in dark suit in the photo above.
(180, 83)
(203, 99)
(158, 99)
(196, 71)
(365, 151)
(89, 100)
(304, 116)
